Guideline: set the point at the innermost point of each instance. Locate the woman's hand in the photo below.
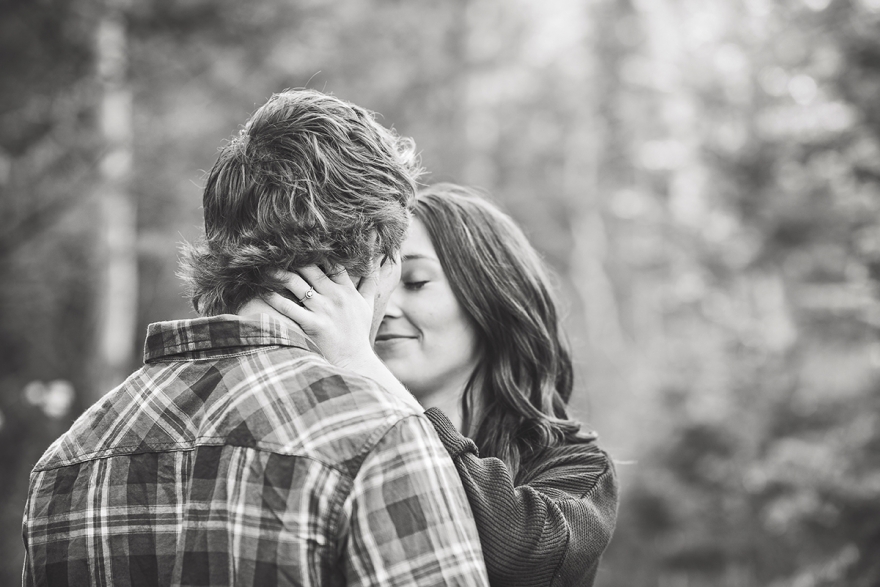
(337, 316)
(332, 312)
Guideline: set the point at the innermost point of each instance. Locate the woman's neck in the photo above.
(449, 399)
(446, 400)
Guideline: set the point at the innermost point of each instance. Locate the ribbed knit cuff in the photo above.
(454, 442)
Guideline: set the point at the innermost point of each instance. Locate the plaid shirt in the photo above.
(239, 456)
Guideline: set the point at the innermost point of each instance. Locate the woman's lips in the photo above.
(391, 336)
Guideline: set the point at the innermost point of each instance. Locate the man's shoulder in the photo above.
(316, 383)
(280, 400)
(337, 416)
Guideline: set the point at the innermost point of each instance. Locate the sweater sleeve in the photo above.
(550, 531)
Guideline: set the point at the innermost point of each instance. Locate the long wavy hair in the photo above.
(310, 179)
(514, 403)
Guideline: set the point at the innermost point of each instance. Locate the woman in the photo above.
(472, 332)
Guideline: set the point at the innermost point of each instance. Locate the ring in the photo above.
(309, 294)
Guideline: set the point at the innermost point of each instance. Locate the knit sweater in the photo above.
(550, 530)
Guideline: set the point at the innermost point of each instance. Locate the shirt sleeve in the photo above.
(27, 576)
(409, 522)
(553, 529)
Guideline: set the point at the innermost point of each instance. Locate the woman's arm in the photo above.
(553, 529)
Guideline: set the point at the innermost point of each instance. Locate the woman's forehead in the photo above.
(417, 243)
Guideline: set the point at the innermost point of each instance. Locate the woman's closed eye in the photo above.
(414, 284)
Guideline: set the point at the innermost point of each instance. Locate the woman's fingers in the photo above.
(322, 282)
(294, 283)
(338, 274)
(334, 284)
(338, 317)
(292, 310)
(368, 286)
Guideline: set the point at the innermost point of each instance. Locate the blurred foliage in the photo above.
(765, 470)
(703, 176)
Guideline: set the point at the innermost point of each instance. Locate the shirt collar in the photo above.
(226, 334)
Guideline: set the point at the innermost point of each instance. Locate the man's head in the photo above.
(310, 179)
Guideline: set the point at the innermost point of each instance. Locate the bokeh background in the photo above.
(703, 177)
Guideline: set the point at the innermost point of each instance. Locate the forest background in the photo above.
(703, 177)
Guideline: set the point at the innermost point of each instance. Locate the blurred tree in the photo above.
(769, 448)
(118, 285)
(47, 156)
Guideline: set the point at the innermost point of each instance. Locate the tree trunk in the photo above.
(117, 294)
(591, 173)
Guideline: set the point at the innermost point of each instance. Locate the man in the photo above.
(238, 455)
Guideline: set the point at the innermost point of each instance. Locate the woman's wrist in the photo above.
(371, 366)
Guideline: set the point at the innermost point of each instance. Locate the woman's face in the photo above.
(425, 338)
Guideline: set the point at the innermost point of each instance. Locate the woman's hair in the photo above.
(524, 373)
(310, 179)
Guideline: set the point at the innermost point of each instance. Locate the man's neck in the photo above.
(255, 307)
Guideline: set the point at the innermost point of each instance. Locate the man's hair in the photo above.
(524, 376)
(310, 179)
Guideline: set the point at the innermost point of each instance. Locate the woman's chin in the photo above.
(393, 348)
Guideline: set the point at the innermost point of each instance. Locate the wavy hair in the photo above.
(310, 179)
(524, 377)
